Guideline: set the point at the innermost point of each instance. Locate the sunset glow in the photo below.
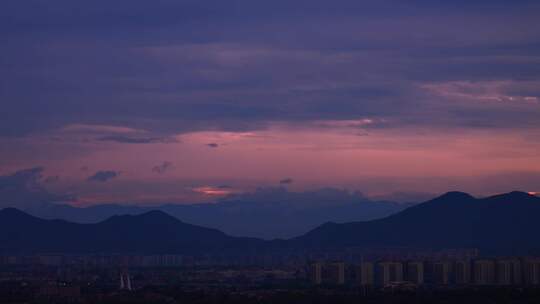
(376, 97)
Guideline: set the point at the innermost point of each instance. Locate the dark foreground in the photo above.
(10, 293)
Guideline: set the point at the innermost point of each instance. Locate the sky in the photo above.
(188, 101)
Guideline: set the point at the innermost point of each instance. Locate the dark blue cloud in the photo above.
(286, 181)
(51, 179)
(136, 140)
(23, 189)
(103, 176)
(174, 66)
(163, 167)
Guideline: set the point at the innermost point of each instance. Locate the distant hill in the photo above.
(249, 214)
(507, 223)
(252, 214)
(501, 224)
(151, 232)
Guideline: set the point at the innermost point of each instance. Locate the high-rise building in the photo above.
(335, 273)
(365, 274)
(509, 272)
(440, 272)
(316, 273)
(484, 272)
(388, 272)
(125, 281)
(462, 272)
(415, 272)
(531, 271)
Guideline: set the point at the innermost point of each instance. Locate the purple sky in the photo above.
(185, 101)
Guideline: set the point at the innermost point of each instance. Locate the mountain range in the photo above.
(506, 223)
(502, 224)
(151, 232)
(250, 214)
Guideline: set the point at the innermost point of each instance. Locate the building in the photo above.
(365, 274)
(440, 273)
(50, 260)
(316, 273)
(462, 272)
(59, 292)
(388, 272)
(415, 272)
(531, 271)
(162, 260)
(509, 272)
(484, 272)
(125, 281)
(335, 273)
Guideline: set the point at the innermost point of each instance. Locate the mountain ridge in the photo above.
(443, 222)
(252, 215)
(151, 232)
(504, 223)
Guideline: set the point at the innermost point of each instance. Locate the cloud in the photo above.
(100, 129)
(218, 191)
(390, 69)
(286, 181)
(24, 178)
(23, 189)
(163, 167)
(511, 92)
(51, 179)
(137, 140)
(103, 176)
(406, 197)
(309, 198)
(182, 77)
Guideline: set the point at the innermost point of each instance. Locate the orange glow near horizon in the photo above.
(213, 191)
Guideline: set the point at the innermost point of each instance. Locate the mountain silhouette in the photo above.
(501, 224)
(251, 214)
(506, 223)
(151, 232)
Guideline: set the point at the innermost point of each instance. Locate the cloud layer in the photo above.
(23, 189)
(246, 93)
(176, 66)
